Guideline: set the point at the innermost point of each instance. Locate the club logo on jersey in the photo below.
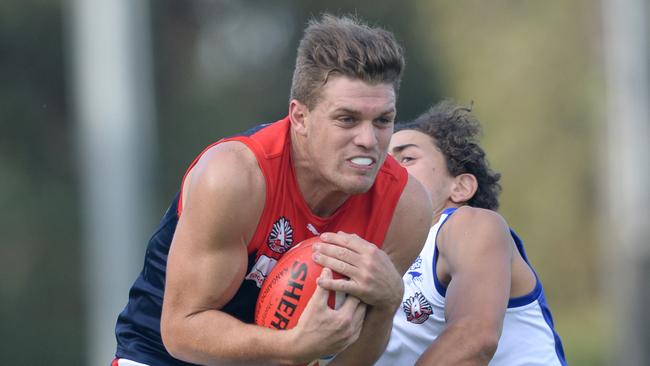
(415, 276)
(414, 270)
(417, 308)
(281, 236)
(261, 269)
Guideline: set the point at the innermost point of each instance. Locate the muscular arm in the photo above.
(384, 270)
(475, 250)
(207, 261)
(223, 200)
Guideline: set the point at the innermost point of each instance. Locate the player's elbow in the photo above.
(482, 344)
(169, 341)
(172, 338)
(486, 345)
(481, 339)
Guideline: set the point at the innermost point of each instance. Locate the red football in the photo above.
(289, 286)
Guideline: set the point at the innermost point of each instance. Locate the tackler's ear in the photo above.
(298, 115)
(464, 188)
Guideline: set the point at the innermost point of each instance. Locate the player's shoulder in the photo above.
(227, 168)
(414, 200)
(224, 153)
(413, 209)
(410, 224)
(474, 221)
(228, 159)
(465, 214)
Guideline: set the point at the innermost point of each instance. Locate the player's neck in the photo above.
(322, 197)
(322, 200)
(437, 211)
(323, 204)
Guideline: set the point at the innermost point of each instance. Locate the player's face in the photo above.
(348, 132)
(417, 152)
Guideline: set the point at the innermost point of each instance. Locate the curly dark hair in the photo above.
(455, 131)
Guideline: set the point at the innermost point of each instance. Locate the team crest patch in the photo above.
(281, 236)
(417, 308)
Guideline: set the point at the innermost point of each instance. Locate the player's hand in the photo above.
(372, 277)
(322, 331)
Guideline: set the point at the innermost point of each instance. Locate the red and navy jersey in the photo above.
(286, 220)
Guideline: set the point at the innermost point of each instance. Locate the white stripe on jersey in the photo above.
(125, 362)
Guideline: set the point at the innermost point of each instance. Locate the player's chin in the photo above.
(358, 185)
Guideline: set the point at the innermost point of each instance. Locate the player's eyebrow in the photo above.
(399, 148)
(351, 111)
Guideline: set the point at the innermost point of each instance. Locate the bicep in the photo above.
(208, 255)
(477, 251)
(200, 276)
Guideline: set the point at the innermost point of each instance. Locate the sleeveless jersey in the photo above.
(286, 220)
(528, 336)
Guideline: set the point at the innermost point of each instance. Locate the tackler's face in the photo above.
(348, 132)
(417, 152)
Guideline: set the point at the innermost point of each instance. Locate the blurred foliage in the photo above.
(532, 70)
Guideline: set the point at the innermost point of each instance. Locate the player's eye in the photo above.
(384, 120)
(347, 119)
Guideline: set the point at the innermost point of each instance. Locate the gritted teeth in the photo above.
(361, 161)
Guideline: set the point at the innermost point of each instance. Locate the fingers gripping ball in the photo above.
(288, 288)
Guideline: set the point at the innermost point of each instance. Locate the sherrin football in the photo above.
(287, 289)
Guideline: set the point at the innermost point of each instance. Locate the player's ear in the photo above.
(464, 188)
(298, 114)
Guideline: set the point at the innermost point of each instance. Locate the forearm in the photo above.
(372, 340)
(465, 343)
(216, 338)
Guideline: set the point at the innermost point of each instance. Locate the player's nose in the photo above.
(366, 135)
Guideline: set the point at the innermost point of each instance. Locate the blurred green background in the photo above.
(533, 69)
